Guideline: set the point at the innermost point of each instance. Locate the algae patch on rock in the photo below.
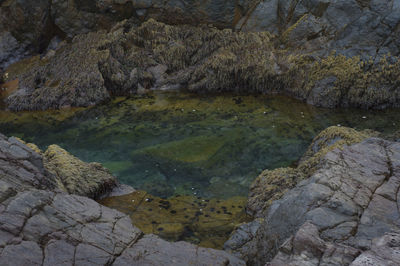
(207, 222)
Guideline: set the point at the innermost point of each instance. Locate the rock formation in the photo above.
(28, 27)
(42, 225)
(328, 53)
(156, 56)
(353, 28)
(345, 207)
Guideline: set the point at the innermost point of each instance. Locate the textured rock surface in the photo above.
(329, 53)
(41, 225)
(307, 248)
(25, 27)
(351, 199)
(72, 173)
(54, 169)
(273, 184)
(131, 59)
(354, 27)
(28, 27)
(75, 17)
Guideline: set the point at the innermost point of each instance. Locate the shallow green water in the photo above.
(176, 143)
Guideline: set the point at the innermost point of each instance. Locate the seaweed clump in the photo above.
(271, 185)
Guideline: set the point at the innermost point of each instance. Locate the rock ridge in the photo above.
(347, 207)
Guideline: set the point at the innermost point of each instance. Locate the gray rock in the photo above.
(151, 250)
(25, 28)
(349, 201)
(365, 28)
(76, 17)
(307, 248)
(384, 251)
(42, 225)
(25, 253)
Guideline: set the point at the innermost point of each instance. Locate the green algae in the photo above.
(179, 143)
(207, 222)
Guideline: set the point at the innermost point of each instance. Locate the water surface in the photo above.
(183, 144)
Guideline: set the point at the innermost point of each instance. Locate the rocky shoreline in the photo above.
(340, 208)
(47, 217)
(323, 53)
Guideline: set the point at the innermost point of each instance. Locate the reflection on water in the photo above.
(176, 143)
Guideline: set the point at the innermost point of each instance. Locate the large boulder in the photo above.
(351, 198)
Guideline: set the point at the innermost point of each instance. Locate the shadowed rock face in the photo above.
(155, 56)
(327, 53)
(354, 27)
(350, 200)
(27, 27)
(75, 17)
(42, 225)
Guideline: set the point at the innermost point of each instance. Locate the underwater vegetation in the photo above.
(170, 143)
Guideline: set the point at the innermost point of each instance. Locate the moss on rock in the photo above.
(75, 176)
(271, 185)
(130, 59)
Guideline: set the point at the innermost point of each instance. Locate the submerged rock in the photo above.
(42, 225)
(349, 199)
(206, 222)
